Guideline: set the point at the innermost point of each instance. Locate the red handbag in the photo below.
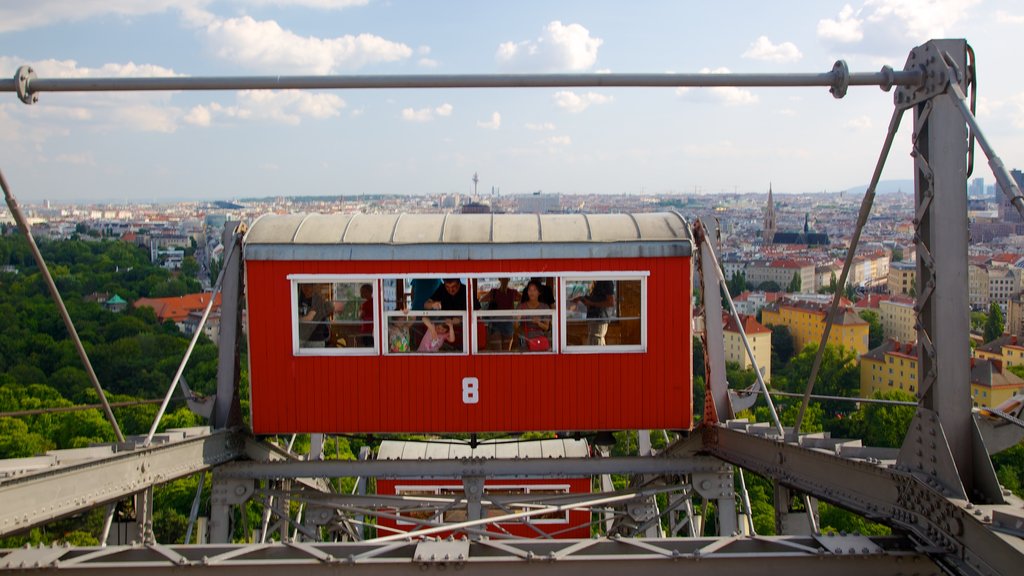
(538, 344)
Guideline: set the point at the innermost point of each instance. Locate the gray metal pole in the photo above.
(26, 84)
(226, 411)
(194, 512)
(55, 294)
(862, 218)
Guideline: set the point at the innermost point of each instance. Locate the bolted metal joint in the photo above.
(840, 79)
(22, 77)
(889, 78)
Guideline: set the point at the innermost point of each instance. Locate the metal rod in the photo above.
(79, 408)
(108, 521)
(517, 516)
(55, 294)
(194, 513)
(845, 398)
(746, 502)
(188, 351)
(885, 78)
(724, 286)
(862, 218)
(1006, 182)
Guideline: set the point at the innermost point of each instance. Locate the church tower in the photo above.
(768, 230)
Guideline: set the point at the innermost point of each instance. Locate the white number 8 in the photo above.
(470, 391)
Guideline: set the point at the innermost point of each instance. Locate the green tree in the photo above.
(876, 335)
(994, 323)
(897, 254)
(782, 345)
(737, 284)
(838, 375)
(189, 267)
(883, 425)
(794, 284)
(769, 286)
(978, 320)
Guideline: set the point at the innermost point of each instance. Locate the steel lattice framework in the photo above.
(939, 491)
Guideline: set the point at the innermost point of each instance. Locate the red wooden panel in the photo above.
(423, 394)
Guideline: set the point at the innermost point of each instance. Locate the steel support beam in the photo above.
(36, 498)
(955, 531)
(794, 556)
(227, 412)
(490, 468)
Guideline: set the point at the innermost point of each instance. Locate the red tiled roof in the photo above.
(177, 308)
(750, 324)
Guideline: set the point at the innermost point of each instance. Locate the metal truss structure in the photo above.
(938, 492)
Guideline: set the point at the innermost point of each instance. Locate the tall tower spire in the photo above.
(768, 230)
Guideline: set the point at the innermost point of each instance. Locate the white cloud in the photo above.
(1004, 17)
(862, 122)
(559, 47)
(576, 103)
(264, 44)
(844, 29)
(83, 159)
(426, 114)
(146, 118)
(558, 141)
(16, 16)
(427, 63)
(763, 49)
(52, 68)
(199, 116)
(284, 106)
(883, 27)
(540, 127)
(320, 4)
(728, 95)
(493, 124)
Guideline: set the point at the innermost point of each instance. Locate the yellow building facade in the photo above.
(760, 339)
(891, 366)
(806, 322)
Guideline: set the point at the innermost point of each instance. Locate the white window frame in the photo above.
(566, 277)
(467, 342)
(296, 279)
(517, 313)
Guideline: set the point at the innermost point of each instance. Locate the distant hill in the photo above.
(885, 187)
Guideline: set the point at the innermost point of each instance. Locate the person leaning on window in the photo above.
(451, 295)
(314, 314)
(599, 303)
(534, 329)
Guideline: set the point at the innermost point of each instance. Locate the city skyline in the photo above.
(165, 147)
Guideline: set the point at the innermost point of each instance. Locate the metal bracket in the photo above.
(22, 78)
(442, 552)
(848, 544)
(930, 63)
(841, 79)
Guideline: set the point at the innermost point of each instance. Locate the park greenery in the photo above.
(135, 358)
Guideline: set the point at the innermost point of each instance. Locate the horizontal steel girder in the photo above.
(957, 530)
(490, 468)
(51, 493)
(790, 555)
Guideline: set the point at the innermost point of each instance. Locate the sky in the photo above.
(170, 146)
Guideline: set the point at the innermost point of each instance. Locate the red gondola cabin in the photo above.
(438, 323)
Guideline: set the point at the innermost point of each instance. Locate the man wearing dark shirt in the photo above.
(451, 295)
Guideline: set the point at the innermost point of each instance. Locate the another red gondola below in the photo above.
(469, 323)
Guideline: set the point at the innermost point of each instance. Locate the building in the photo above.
(992, 383)
(781, 272)
(1008, 349)
(869, 270)
(760, 339)
(178, 308)
(770, 226)
(977, 286)
(902, 278)
(898, 318)
(1003, 284)
(539, 203)
(890, 366)
(806, 321)
(1015, 316)
(115, 304)
(750, 303)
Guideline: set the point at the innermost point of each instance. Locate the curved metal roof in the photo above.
(465, 228)
(465, 236)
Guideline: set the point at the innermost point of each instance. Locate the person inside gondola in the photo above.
(599, 302)
(534, 330)
(502, 297)
(451, 295)
(314, 314)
